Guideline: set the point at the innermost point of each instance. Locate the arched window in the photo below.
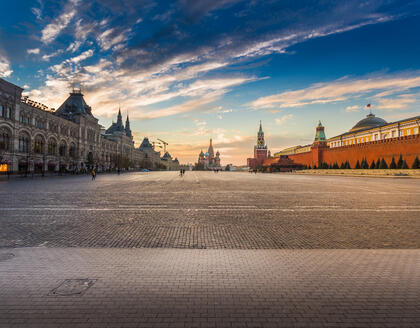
(52, 147)
(4, 139)
(63, 149)
(39, 145)
(72, 150)
(24, 143)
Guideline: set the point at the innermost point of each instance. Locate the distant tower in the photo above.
(260, 149)
(210, 150)
(119, 121)
(320, 134)
(320, 143)
(127, 127)
(260, 139)
(217, 159)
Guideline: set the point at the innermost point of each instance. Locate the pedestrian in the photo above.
(93, 174)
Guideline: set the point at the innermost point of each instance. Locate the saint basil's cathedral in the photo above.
(208, 160)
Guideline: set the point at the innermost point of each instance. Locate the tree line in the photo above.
(380, 163)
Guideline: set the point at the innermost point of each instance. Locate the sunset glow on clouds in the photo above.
(189, 70)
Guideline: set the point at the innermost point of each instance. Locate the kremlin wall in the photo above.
(371, 139)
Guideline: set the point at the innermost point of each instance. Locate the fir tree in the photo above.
(342, 166)
(393, 165)
(348, 166)
(378, 163)
(357, 167)
(373, 165)
(404, 165)
(309, 167)
(365, 164)
(416, 163)
(335, 166)
(400, 162)
(383, 165)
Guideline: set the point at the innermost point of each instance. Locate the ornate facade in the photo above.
(34, 138)
(208, 160)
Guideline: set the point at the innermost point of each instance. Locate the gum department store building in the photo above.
(36, 139)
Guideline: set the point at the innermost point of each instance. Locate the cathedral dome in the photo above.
(371, 121)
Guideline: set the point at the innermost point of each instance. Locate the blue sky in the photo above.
(188, 70)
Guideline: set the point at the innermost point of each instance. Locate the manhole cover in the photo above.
(6, 256)
(73, 287)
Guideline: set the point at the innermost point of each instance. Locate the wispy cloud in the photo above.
(340, 90)
(283, 119)
(53, 29)
(398, 103)
(33, 51)
(353, 108)
(5, 70)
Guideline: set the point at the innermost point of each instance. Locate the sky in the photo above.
(186, 71)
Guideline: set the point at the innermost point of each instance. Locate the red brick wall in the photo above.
(408, 147)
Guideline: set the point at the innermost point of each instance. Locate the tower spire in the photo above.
(127, 127)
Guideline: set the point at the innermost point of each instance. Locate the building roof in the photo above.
(371, 121)
(74, 104)
(167, 156)
(372, 127)
(145, 144)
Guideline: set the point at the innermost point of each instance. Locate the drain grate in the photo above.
(6, 256)
(70, 287)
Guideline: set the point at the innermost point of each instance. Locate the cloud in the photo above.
(283, 119)
(33, 51)
(52, 30)
(340, 90)
(399, 103)
(354, 108)
(5, 70)
(111, 38)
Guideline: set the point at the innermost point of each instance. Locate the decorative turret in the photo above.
(117, 128)
(320, 134)
(119, 118)
(127, 127)
(211, 151)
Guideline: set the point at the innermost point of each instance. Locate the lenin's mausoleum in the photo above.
(370, 140)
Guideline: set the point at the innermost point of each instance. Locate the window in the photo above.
(24, 144)
(4, 140)
(1, 111)
(28, 121)
(39, 145)
(408, 132)
(8, 112)
(416, 130)
(21, 118)
(63, 149)
(52, 147)
(72, 151)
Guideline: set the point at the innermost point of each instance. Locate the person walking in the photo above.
(93, 174)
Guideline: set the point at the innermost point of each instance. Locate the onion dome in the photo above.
(371, 121)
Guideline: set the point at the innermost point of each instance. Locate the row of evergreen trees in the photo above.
(379, 164)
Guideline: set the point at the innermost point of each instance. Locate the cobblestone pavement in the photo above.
(208, 210)
(273, 256)
(209, 288)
